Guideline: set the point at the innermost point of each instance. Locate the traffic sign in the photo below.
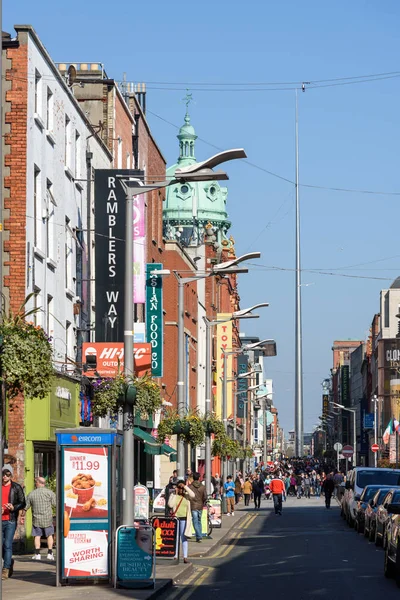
(375, 447)
(338, 446)
(348, 451)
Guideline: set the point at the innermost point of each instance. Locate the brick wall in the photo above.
(14, 225)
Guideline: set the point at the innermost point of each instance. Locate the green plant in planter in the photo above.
(26, 355)
(212, 424)
(108, 394)
(167, 425)
(148, 396)
(195, 436)
(223, 446)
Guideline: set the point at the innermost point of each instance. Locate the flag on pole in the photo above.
(396, 425)
(388, 431)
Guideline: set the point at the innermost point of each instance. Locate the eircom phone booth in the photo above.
(89, 503)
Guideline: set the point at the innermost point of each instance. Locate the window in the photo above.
(37, 208)
(38, 93)
(49, 316)
(37, 305)
(128, 160)
(68, 338)
(67, 148)
(50, 222)
(68, 256)
(49, 110)
(119, 154)
(77, 171)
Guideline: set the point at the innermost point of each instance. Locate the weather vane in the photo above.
(188, 99)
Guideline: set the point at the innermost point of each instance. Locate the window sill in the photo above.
(39, 121)
(69, 293)
(38, 253)
(69, 173)
(50, 137)
(51, 264)
(79, 186)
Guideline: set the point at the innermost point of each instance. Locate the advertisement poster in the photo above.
(159, 500)
(86, 554)
(166, 532)
(86, 483)
(134, 553)
(141, 503)
(215, 512)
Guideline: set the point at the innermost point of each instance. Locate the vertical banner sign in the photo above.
(139, 249)
(242, 384)
(345, 384)
(325, 405)
(395, 398)
(110, 204)
(154, 318)
(224, 342)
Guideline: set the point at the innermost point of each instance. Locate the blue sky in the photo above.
(349, 138)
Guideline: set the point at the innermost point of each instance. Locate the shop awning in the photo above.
(152, 446)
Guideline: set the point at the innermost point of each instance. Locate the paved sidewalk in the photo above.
(36, 580)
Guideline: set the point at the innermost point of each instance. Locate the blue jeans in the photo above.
(277, 503)
(8, 529)
(196, 518)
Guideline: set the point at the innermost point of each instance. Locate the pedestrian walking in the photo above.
(238, 489)
(307, 486)
(217, 483)
(179, 502)
(229, 489)
(278, 491)
(197, 503)
(247, 487)
(41, 501)
(329, 486)
(12, 501)
(258, 488)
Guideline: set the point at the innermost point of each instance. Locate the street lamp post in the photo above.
(376, 401)
(354, 411)
(133, 187)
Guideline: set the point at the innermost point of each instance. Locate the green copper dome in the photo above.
(189, 207)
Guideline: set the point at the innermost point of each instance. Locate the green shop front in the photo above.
(58, 410)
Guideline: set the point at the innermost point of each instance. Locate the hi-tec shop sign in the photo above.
(110, 358)
(110, 205)
(154, 318)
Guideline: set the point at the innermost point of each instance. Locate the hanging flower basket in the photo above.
(109, 395)
(190, 427)
(27, 364)
(212, 424)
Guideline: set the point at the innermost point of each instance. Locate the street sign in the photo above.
(375, 447)
(348, 451)
(338, 446)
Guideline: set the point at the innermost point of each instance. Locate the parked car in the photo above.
(370, 513)
(383, 515)
(392, 551)
(362, 506)
(357, 479)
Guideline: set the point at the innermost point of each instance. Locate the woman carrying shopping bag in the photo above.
(179, 504)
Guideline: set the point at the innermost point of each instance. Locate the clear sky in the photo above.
(349, 138)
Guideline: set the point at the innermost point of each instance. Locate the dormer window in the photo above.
(185, 189)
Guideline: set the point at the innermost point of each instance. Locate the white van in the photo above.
(357, 479)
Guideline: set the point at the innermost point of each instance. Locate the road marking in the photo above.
(192, 577)
(223, 553)
(249, 522)
(199, 581)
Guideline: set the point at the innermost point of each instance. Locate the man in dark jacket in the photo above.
(328, 486)
(12, 501)
(258, 489)
(197, 503)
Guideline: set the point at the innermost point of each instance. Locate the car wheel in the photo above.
(371, 535)
(397, 568)
(378, 538)
(389, 568)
